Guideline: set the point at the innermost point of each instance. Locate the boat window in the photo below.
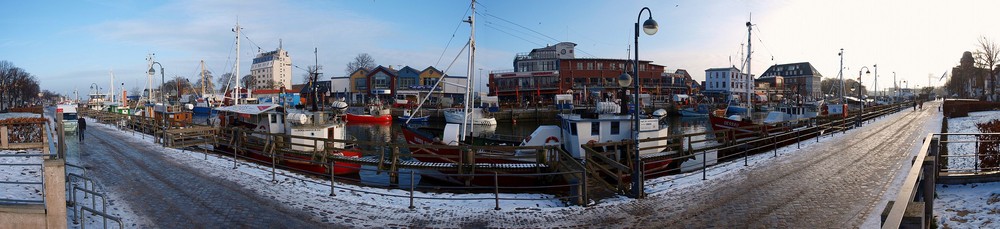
(595, 128)
(572, 129)
(274, 118)
(615, 127)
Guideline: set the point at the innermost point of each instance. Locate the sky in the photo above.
(70, 45)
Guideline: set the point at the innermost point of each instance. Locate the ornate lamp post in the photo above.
(860, 92)
(624, 80)
(162, 80)
(649, 27)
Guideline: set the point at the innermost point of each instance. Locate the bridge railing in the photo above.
(914, 203)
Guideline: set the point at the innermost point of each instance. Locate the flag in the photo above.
(943, 75)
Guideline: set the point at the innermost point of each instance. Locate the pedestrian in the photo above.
(81, 126)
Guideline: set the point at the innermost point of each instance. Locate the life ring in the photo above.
(591, 142)
(552, 139)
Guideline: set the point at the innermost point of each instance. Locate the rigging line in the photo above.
(251, 41)
(441, 79)
(499, 27)
(762, 42)
(533, 36)
(446, 46)
(516, 36)
(529, 29)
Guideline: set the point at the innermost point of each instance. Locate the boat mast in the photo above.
(468, 79)
(111, 96)
(841, 75)
(749, 76)
(203, 78)
(237, 68)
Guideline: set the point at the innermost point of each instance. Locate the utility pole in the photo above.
(841, 75)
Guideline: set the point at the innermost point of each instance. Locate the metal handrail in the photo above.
(908, 190)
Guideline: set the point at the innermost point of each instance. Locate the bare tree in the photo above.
(307, 77)
(17, 86)
(987, 57)
(207, 82)
(225, 81)
(246, 81)
(363, 60)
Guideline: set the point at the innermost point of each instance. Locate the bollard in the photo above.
(496, 190)
(412, 186)
(333, 179)
(704, 165)
(273, 162)
(235, 145)
(746, 160)
(798, 144)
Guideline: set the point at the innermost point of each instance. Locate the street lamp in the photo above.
(162, 100)
(162, 80)
(895, 87)
(860, 92)
(624, 80)
(649, 27)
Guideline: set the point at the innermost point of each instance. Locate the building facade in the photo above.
(801, 80)
(728, 81)
(544, 72)
(272, 70)
(407, 83)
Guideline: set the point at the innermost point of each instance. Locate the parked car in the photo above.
(69, 116)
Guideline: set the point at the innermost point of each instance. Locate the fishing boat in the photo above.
(603, 124)
(701, 110)
(482, 114)
(303, 128)
(408, 116)
(477, 116)
(268, 124)
(374, 112)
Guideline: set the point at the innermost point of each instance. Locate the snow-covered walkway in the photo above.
(842, 181)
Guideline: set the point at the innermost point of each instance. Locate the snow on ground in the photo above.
(966, 125)
(17, 115)
(968, 206)
(21, 173)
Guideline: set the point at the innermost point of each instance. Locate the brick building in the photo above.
(544, 72)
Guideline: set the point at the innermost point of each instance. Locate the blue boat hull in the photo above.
(415, 119)
(204, 111)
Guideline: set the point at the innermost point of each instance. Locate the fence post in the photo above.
(746, 159)
(236, 144)
(3, 137)
(976, 155)
(704, 164)
(412, 186)
(496, 190)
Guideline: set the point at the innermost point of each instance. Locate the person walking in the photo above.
(81, 126)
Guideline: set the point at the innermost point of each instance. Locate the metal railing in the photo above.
(982, 159)
(918, 187)
(5, 185)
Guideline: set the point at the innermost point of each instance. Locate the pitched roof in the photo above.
(791, 70)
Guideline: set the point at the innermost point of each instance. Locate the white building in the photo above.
(272, 70)
(728, 81)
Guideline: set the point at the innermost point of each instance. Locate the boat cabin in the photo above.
(257, 117)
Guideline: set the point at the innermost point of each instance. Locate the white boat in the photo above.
(478, 117)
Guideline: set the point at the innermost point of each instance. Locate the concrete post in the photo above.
(54, 178)
(4, 140)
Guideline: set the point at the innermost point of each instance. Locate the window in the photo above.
(595, 128)
(274, 118)
(361, 84)
(579, 66)
(600, 66)
(590, 66)
(381, 80)
(572, 129)
(615, 127)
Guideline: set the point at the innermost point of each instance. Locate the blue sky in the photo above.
(71, 44)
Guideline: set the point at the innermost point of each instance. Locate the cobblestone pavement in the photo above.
(171, 195)
(834, 184)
